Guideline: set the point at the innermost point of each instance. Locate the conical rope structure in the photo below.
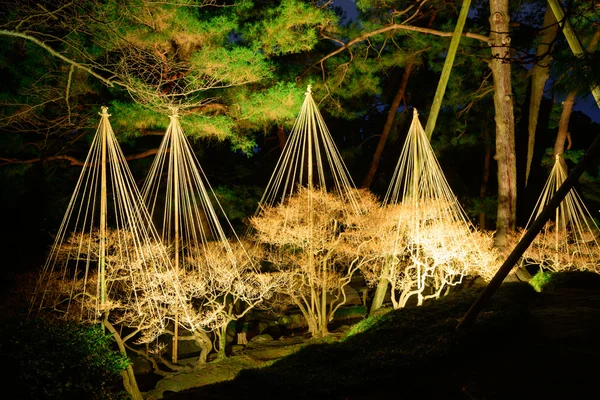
(308, 220)
(107, 260)
(190, 220)
(431, 244)
(570, 240)
(218, 274)
(310, 159)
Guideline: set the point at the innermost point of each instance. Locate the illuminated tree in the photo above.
(422, 253)
(135, 302)
(425, 235)
(215, 292)
(317, 244)
(221, 291)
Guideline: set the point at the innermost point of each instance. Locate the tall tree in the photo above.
(539, 76)
(505, 121)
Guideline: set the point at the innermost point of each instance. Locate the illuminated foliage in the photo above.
(316, 243)
(422, 254)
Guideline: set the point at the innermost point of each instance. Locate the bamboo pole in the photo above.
(572, 39)
(531, 233)
(103, 207)
(175, 158)
(443, 82)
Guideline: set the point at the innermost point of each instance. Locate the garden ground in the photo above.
(524, 345)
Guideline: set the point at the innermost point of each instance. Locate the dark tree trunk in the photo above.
(387, 127)
(539, 76)
(563, 124)
(281, 136)
(563, 127)
(505, 122)
(129, 381)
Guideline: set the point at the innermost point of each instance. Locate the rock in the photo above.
(342, 329)
(237, 349)
(292, 321)
(353, 298)
(187, 348)
(262, 326)
(140, 365)
(351, 312)
(259, 340)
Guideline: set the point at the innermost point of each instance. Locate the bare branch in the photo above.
(400, 27)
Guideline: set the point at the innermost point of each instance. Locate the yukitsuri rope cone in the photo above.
(108, 263)
(430, 244)
(570, 240)
(310, 159)
(219, 276)
(309, 220)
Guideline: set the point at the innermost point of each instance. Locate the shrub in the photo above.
(60, 360)
(540, 280)
(549, 281)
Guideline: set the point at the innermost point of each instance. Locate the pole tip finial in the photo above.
(308, 89)
(104, 112)
(415, 112)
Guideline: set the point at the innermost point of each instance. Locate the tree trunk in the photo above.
(539, 76)
(387, 127)
(573, 41)
(128, 376)
(563, 127)
(565, 116)
(222, 342)
(505, 123)
(281, 137)
(205, 347)
(381, 290)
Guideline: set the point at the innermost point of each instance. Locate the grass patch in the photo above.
(546, 281)
(350, 312)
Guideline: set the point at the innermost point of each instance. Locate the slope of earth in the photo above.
(525, 345)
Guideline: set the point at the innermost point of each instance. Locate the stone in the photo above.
(237, 349)
(292, 321)
(259, 340)
(262, 326)
(342, 329)
(140, 365)
(353, 298)
(187, 348)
